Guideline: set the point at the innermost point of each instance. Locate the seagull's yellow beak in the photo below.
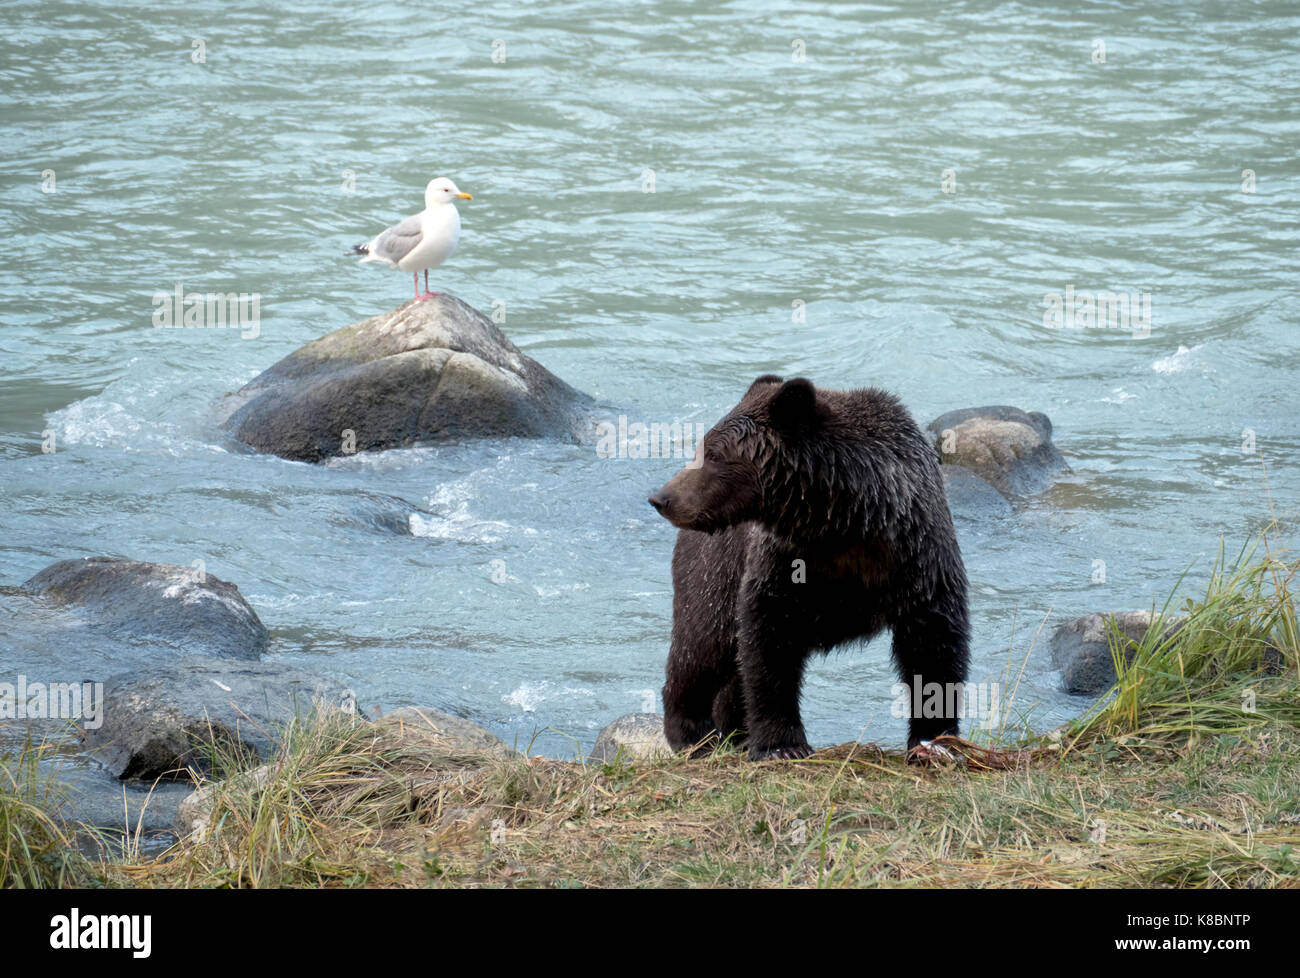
(465, 196)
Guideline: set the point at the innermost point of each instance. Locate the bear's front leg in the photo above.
(688, 719)
(772, 646)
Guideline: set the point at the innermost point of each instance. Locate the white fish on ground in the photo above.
(424, 240)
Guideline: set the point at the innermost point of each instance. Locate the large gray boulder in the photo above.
(159, 723)
(425, 371)
(180, 607)
(1081, 648)
(1009, 448)
(632, 737)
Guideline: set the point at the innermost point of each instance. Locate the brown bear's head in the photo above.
(725, 485)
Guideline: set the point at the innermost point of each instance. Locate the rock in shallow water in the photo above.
(160, 722)
(121, 810)
(639, 737)
(1009, 448)
(1081, 648)
(425, 371)
(192, 612)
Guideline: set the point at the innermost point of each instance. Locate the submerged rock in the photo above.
(1009, 448)
(1081, 648)
(120, 811)
(969, 495)
(187, 610)
(425, 371)
(373, 511)
(638, 736)
(160, 723)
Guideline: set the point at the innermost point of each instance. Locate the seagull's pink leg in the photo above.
(415, 281)
(427, 293)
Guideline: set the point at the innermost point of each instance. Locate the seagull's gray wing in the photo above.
(396, 243)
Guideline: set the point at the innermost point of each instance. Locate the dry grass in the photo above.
(36, 848)
(382, 814)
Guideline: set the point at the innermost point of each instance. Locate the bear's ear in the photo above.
(794, 406)
(762, 381)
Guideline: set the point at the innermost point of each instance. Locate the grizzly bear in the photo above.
(808, 519)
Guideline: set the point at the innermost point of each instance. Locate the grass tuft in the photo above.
(1229, 668)
(36, 848)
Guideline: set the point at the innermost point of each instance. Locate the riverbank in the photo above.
(1185, 775)
(352, 813)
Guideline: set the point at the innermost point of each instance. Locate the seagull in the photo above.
(424, 240)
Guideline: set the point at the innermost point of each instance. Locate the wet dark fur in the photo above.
(846, 482)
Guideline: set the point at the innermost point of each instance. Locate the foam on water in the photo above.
(1177, 362)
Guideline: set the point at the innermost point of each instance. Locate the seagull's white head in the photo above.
(442, 191)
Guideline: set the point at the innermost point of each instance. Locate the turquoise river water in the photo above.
(669, 199)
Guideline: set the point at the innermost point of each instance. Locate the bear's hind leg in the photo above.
(932, 648)
(729, 711)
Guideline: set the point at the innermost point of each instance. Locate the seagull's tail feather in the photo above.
(361, 249)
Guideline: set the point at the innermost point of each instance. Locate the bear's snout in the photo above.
(670, 505)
